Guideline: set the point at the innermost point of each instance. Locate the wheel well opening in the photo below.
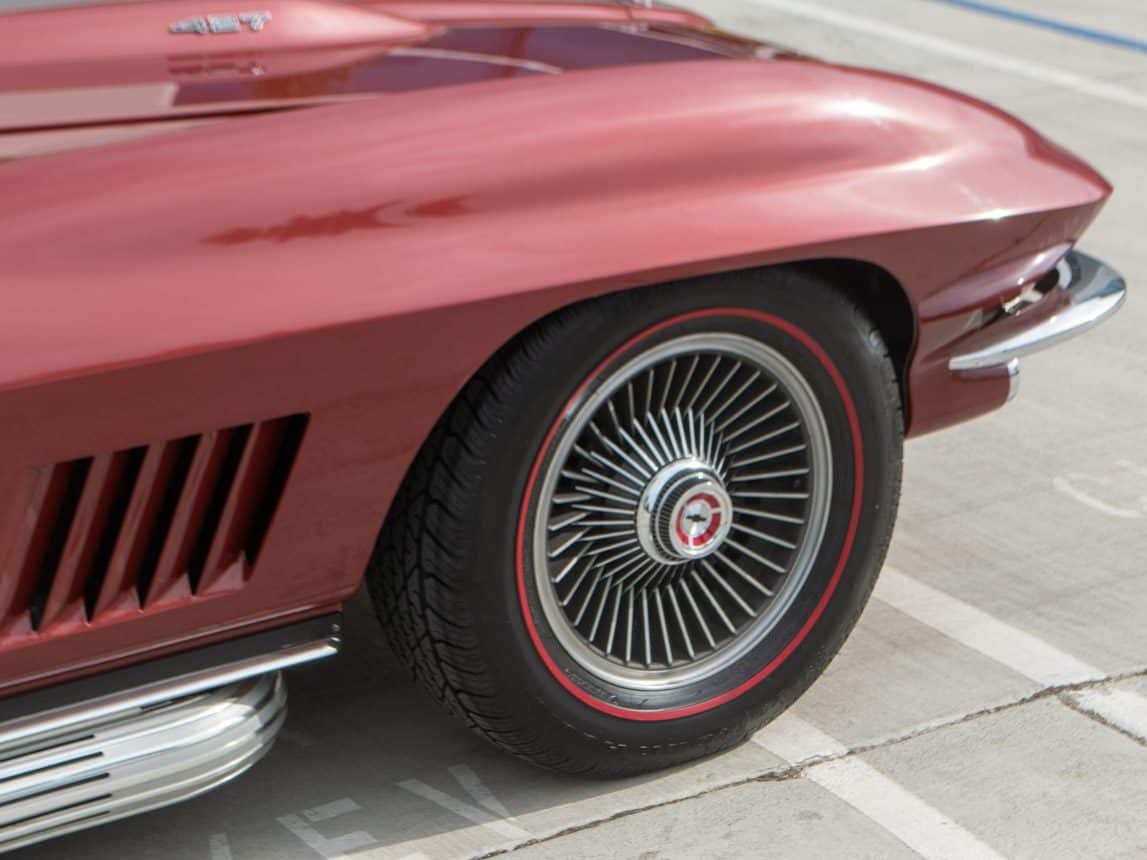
(883, 300)
(874, 290)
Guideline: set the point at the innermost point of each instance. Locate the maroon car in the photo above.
(590, 333)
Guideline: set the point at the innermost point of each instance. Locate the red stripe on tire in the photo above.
(818, 610)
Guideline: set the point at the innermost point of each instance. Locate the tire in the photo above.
(682, 653)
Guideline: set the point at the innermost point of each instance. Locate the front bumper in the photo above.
(1088, 292)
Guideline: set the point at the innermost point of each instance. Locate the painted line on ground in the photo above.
(220, 846)
(1121, 708)
(1066, 484)
(329, 810)
(492, 815)
(797, 741)
(473, 786)
(334, 848)
(881, 799)
(960, 51)
(1021, 652)
(337, 848)
(1047, 23)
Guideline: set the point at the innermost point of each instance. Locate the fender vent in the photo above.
(128, 529)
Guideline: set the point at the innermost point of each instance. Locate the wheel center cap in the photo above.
(685, 512)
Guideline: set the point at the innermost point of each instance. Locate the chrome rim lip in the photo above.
(796, 388)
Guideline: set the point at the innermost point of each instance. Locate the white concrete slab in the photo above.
(1040, 780)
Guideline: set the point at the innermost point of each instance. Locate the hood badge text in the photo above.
(212, 24)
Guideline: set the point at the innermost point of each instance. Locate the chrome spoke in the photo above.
(717, 391)
(732, 398)
(670, 453)
(570, 565)
(698, 614)
(607, 495)
(768, 515)
(765, 536)
(713, 602)
(772, 455)
(570, 498)
(704, 382)
(741, 572)
(588, 597)
(629, 631)
(732, 592)
(732, 419)
(559, 523)
(682, 627)
(757, 557)
(754, 494)
(684, 386)
(602, 494)
(664, 626)
(618, 592)
(600, 611)
(759, 420)
(649, 457)
(769, 476)
(645, 627)
(645, 472)
(634, 490)
(601, 509)
(554, 553)
(772, 434)
(665, 389)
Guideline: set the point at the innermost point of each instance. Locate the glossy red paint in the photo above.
(358, 261)
(119, 63)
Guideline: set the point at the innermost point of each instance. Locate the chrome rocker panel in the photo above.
(1088, 292)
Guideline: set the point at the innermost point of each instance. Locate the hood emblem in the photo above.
(211, 24)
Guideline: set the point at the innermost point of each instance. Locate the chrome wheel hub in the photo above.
(684, 512)
(680, 511)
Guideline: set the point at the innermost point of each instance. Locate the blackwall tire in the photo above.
(647, 524)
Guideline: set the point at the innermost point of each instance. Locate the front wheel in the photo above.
(648, 523)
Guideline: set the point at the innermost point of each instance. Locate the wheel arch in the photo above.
(884, 301)
(875, 290)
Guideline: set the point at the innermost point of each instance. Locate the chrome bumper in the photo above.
(1088, 292)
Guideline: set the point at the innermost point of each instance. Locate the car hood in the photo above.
(91, 73)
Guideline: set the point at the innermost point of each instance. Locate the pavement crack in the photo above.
(1055, 690)
(781, 774)
(799, 769)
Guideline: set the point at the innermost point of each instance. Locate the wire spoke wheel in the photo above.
(681, 510)
(648, 523)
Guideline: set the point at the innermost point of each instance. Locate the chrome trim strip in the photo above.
(471, 57)
(1094, 292)
(61, 719)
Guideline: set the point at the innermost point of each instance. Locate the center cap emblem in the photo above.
(699, 517)
(685, 513)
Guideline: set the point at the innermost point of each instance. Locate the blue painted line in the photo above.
(1058, 26)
